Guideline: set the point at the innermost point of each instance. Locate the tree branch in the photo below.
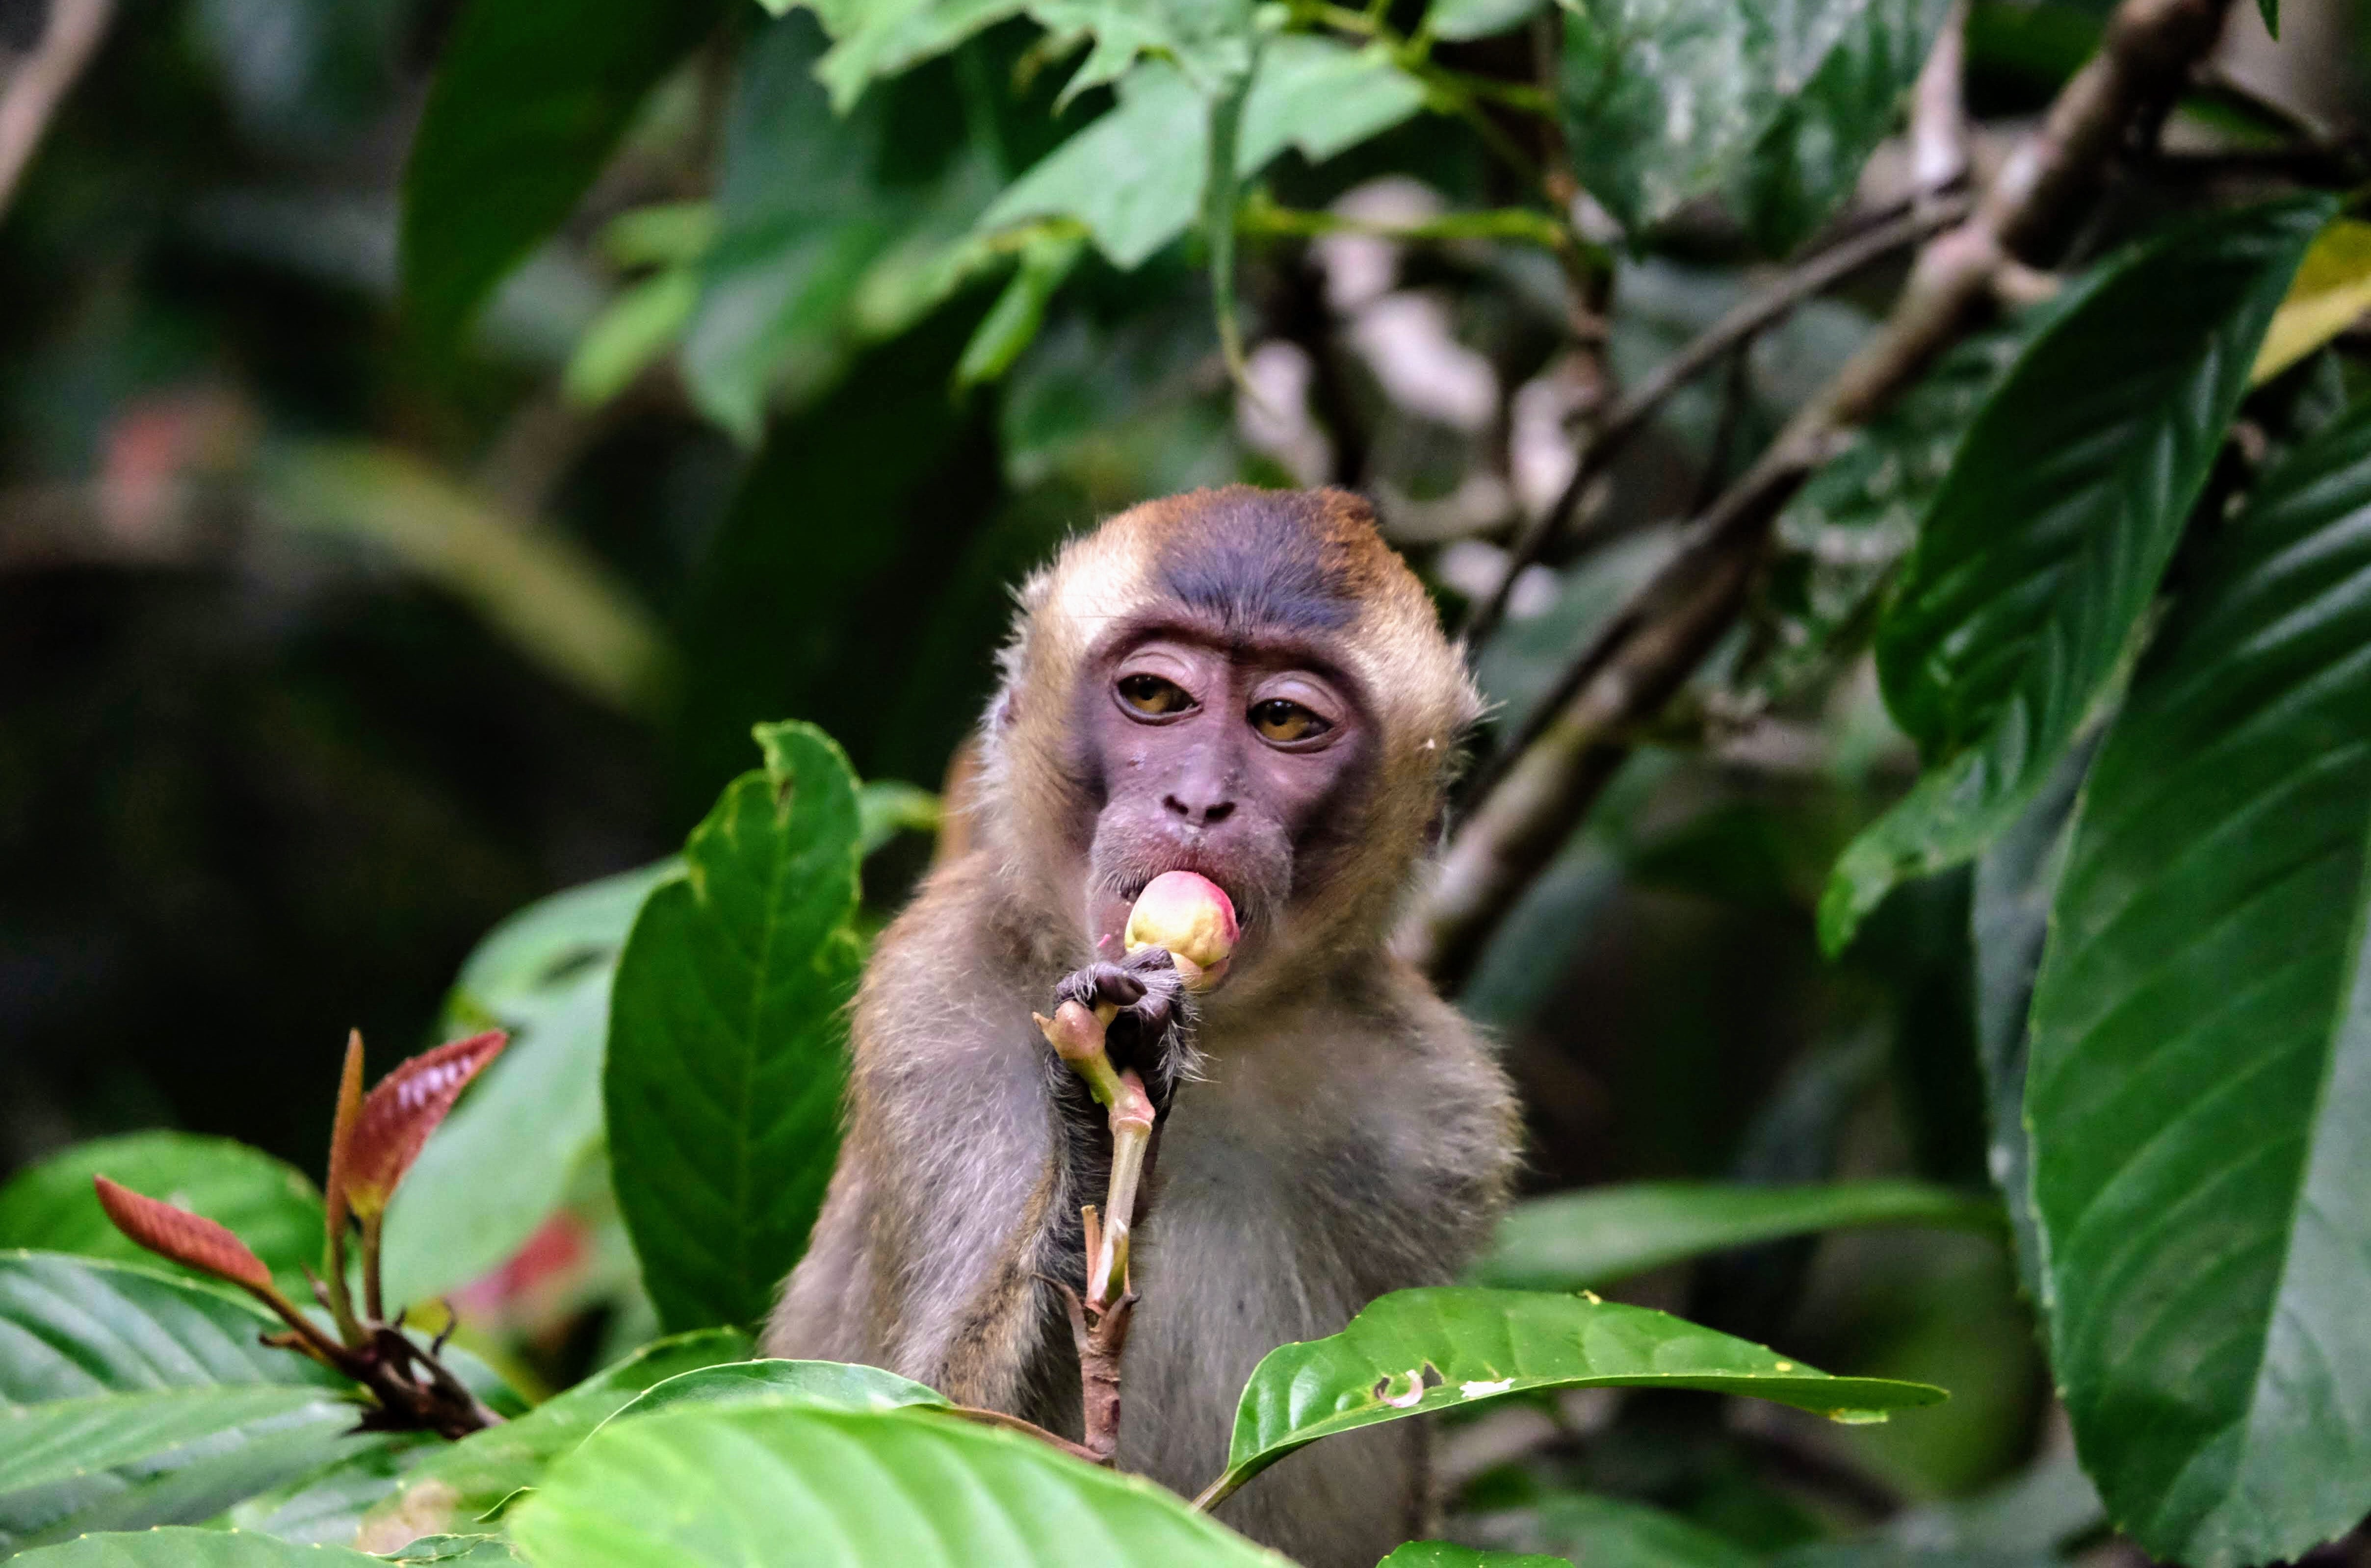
(39, 84)
(1626, 674)
(1808, 278)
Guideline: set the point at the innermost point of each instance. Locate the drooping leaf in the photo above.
(1600, 1235)
(527, 102)
(725, 1484)
(63, 1440)
(2042, 550)
(500, 1165)
(1667, 100)
(192, 1549)
(1418, 1351)
(78, 1329)
(836, 1384)
(1012, 323)
(399, 1113)
(728, 1037)
(2199, 1085)
(465, 1481)
(2330, 292)
(631, 333)
(1122, 176)
(267, 1204)
(2008, 915)
(1448, 1555)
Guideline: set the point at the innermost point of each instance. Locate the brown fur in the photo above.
(1350, 1135)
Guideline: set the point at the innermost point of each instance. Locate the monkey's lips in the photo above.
(1110, 905)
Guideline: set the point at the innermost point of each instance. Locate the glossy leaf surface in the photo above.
(1600, 1235)
(527, 102)
(2199, 1084)
(78, 1329)
(1448, 1554)
(1416, 1350)
(2042, 550)
(465, 1481)
(266, 1204)
(728, 1037)
(60, 1440)
(836, 1384)
(724, 1485)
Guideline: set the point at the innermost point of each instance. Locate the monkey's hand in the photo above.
(1154, 1029)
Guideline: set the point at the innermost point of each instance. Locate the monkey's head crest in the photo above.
(1235, 567)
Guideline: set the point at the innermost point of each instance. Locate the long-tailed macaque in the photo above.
(1249, 684)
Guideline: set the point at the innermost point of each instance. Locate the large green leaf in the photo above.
(1212, 38)
(834, 1383)
(2199, 1083)
(330, 1504)
(2040, 554)
(1612, 1532)
(192, 1549)
(470, 1479)
(76, 1331)
(728, 1037)
(1667, 100)
(1604, 1234)
(42, 1444)
(726, 1485)
(527, 102)
(1416, 1351)
(270, 1206)
(500, 1165)
(1123, 177)
(1448, 1554)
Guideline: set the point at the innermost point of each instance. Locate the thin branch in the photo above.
(1259, 214)
(1655, 642)
(40, 83)
(1939, 111)
(1803, 282)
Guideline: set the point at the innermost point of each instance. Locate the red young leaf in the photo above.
(401, 1112)
(185, 1237)
(341, 1131)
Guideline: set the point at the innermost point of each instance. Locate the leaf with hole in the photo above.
(2040, 554)
(1600, 1235)
(1414, 1352)
(727, 1484)
(2199, 1077)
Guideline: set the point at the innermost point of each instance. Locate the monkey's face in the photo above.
(1240, 759)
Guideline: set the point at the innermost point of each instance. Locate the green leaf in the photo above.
(1667, 100)
(1609, 1533)
(1602, 1234)
(1447, 1554)
(269, 1205)
(468, 1481)
(887, 807)
(726, 1485)
(62, 1440)
(2041, 552)
(77, 1330)
(1416, 1350)
(481, 1550)
(330, 1504)
(1457, 21)
(641, 324)
(192, 1549)
(2330, 294)
(1209, 38)
(2008, 915)
(836, 1384)
(1122, 176)
(2271, 11)
(501, 1164)
(1012, 323)
(728, 1037)
(2199, 1086)
(527, 102)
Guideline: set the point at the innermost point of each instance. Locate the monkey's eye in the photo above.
(1282, 721)
(1153, 696)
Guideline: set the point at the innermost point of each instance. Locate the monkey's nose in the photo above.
(1197, 811)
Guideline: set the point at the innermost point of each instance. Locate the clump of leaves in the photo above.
(374, 1140)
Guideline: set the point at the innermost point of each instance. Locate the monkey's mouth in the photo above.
(1110, 898)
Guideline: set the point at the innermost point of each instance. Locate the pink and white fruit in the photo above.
(1192, 917)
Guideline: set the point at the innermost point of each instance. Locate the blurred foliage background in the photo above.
(331, 634)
